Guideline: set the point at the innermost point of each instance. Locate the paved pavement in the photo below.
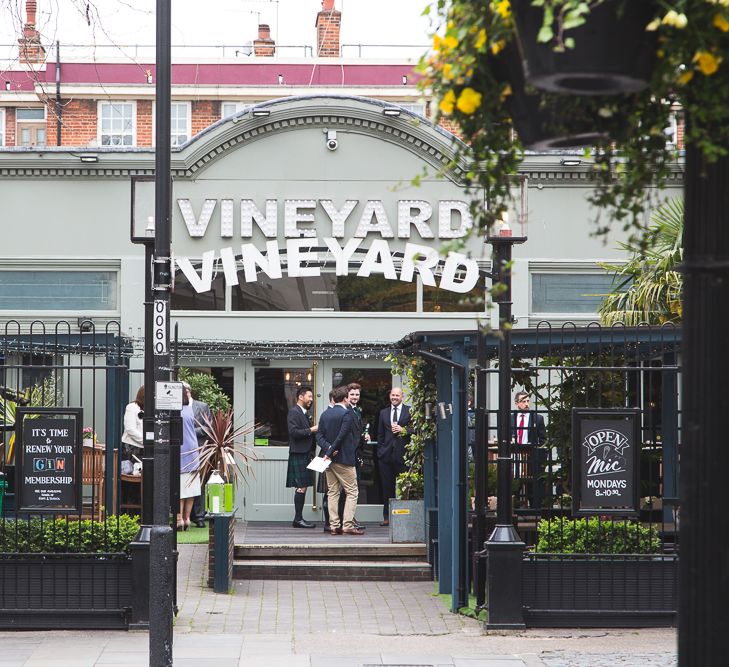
(318, 624)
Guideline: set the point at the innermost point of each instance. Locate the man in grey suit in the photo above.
(335, 437)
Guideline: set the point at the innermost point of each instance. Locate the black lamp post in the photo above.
(504, 547)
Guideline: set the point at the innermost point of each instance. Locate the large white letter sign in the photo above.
(196, 227)
(456, 261)
(250, 213)
(338, 217)
(342, 255)
(420, 258)
(293, 216)
(378, 260)
(252, 257)
(405, 218)
(374, 210)
(296, 255)
(204, 281)
(445, 219)
(229, 268)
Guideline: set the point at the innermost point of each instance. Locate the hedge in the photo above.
(595, 536)
(68, 536)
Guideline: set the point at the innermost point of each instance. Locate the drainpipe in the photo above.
(58, 93)
(459, 508)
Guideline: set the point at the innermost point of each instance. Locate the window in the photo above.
(179, 123)
(418, 108)
(231, 108)
(116, 123)
(579, 293)
(2, 127)
(30, 126)
(275, 393)
(78, 291)
(185, 297)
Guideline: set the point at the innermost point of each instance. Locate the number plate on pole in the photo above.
(159, 334)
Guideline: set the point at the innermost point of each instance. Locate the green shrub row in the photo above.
(68, 536)
(587, 536)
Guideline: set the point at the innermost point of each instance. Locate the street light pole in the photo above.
(504, 547)
(161, 543)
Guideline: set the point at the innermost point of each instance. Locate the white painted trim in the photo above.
(99, 104)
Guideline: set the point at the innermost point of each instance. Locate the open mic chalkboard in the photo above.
(605, 461)
(49, 457)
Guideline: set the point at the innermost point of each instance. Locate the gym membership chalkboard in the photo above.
(605, 463)
(49, 448)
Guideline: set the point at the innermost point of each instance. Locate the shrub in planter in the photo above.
(595, 536)
(68, 536)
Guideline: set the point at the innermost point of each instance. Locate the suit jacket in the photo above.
(356, 427)
(335, 435)
(200, 410)
(391, 447)
(301, 439)
(536, 431)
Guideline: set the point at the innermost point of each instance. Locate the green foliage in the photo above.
(205, 388)
(68, 536)
(420, 375)
(648, 287)
(587, 536)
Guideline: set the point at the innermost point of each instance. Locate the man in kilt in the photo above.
(301, 451)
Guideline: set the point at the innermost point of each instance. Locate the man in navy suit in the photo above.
(335, 437)
(529, 433)
(392, 436)
(301, 451)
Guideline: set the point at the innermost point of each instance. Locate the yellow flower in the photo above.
(447, 71)
(450, 42)
(481, 39)
(505, 92)
(721, 22)
(653, 25)
(504, 9)
(498, 46)
(673, 18)
(685, 78)
(447, 103)
(468, 101)
(437, 42)
(708, 63)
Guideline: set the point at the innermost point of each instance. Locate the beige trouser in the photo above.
(340, 476)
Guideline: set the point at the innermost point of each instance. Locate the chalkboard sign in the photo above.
(605, 463)
(50, 460)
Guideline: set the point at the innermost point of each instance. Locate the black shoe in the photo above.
(200, 523)
(327, 528)
(359, 526)
(300, 523)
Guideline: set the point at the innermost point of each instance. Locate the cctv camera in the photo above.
(332, 143)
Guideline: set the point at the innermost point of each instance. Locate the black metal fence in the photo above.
(68, 564)
(613, 563)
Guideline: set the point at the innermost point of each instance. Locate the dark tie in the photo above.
(394, 415)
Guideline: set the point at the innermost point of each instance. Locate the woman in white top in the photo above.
(132, 436)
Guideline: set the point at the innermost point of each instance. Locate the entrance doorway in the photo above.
(274, 392)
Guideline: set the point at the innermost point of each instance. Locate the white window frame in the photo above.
(2, 127)
(239, 106)
(173, 143)
(100, 105)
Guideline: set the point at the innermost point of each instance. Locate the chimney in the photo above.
(328, 22)
(264, 46)
(31, 50)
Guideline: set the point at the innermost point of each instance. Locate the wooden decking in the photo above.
(276, 533)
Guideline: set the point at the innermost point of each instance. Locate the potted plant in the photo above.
(223, 453)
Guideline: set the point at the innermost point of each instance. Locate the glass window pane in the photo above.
(275, 394)
(25, 136)
(35, 113)
(327, 292)
(58, 290)
(436, 300)
(569, 292)
(40, 137)
(186, 298)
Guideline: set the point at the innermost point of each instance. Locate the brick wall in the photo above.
(9, 129)
(144, 123)
(78, 127)
(328, 23)
(204, 114)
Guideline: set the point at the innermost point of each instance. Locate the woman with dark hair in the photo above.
(190, 486)
(132, 436)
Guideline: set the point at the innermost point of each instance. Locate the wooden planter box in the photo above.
(65, 591)
(600, 591)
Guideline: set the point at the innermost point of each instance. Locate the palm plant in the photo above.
(648, 287)
(223, 450)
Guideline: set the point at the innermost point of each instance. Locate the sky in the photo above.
(215, 22)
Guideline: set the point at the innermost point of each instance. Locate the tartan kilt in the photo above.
(297, 476)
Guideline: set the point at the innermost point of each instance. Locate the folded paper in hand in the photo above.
(318, 464)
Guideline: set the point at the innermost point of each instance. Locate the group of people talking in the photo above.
(340, 434)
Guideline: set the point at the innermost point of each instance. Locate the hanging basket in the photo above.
(613, 52)
(540, 121)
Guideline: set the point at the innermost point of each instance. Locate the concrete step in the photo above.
(339, 570)
(333, 551)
